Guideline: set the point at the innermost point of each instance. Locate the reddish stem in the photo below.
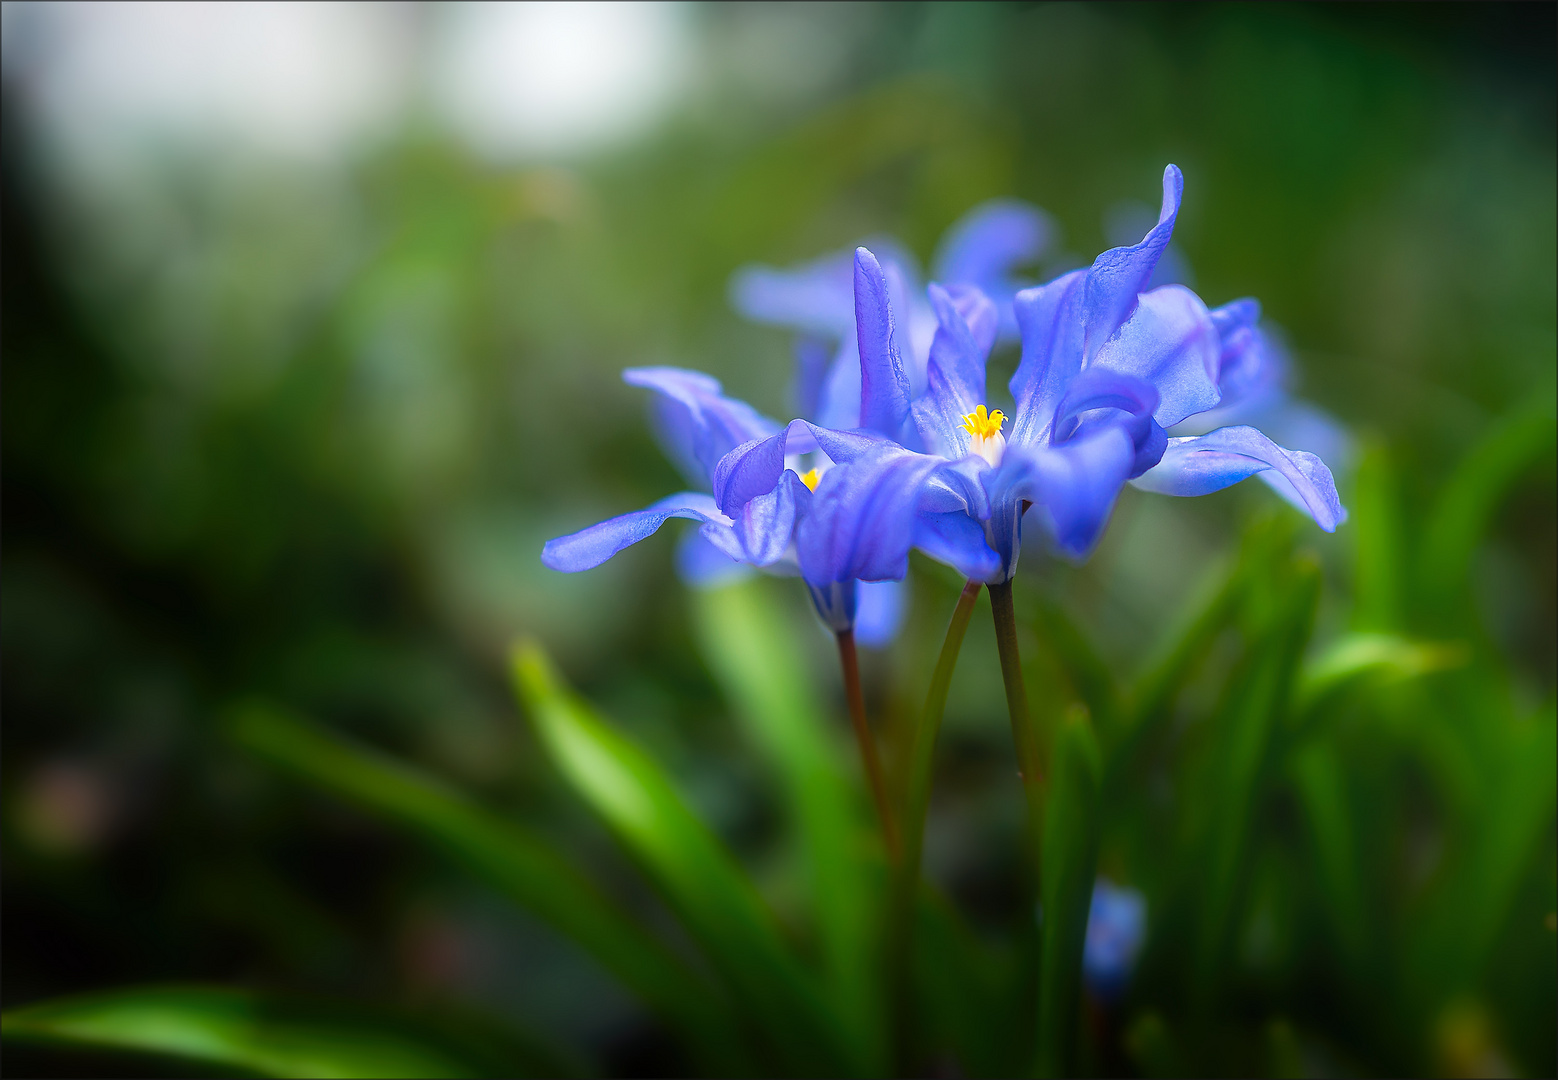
(867, 740)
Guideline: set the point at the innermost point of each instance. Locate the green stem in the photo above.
(863, 735)
(906, 874)
(1030, 768)
(1030, 765)
(923, 741)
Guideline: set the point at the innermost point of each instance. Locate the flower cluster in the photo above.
(902, 449)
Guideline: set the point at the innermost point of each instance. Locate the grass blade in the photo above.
(507, 856)
(234, 1028)
(1377, 544)
(1380, 657)
(751, 649)
(716, 901)
(1257, 701)
(1317, 775)
(1475, 490)
(1070, 865)
(1091, 680)
(904, 937)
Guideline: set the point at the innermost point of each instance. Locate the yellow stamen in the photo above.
(983, 425)
(810, 478)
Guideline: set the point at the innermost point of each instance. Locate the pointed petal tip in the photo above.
(1173, 192)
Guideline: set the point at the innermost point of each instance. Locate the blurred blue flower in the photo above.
(982, 249)
(1116, 926)
(1107, 366)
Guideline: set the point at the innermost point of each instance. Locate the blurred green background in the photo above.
(290, 415)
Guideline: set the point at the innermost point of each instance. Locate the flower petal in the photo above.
(1253, 363)
(813, 356)
(588, 548)
(965, 332)
(990, 241)
(754, 467)
(817, 297)
(861, 523)
(703, 565)
(884, 385)
(836, 603)
(766, 524)
(1050, 320)
(879, 612)
(1100, 398)
(959, 541)
(696, 422)
(1120, 275)
(1170, 342)
(838, 405)
(1072, 485)
(1206, 463)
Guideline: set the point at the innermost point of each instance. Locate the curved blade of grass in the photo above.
(1252, 714)
(1174, 660)
(1474, 492)
(1322, 793)
(923, 743)
(1383, 657)
(903, 937)
(1081, 663)
(1376, 542)
(751, 649)
(506, 855)
(715, 899)
(1070, 865)
(233, 1028)
(969, 995)
(1451, 941)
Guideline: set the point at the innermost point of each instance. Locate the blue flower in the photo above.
(1116, 925)
(1254, 376)
(699, 426)
(1107, 367)
(819, 299)
(881, 499)
(1254, 372)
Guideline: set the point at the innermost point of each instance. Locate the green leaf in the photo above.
(508, 856)
(235, 1028)
(1253, 711)
(751, 649)
(1457, 931)
(703, 882)
(1089, 675)
(1265, 548)
(1070, 862)
(1474, 491)
(1381, 657)
(1323, 795)
(912, 953)
(969, 996)
(1173, 662)
(1376, 538)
